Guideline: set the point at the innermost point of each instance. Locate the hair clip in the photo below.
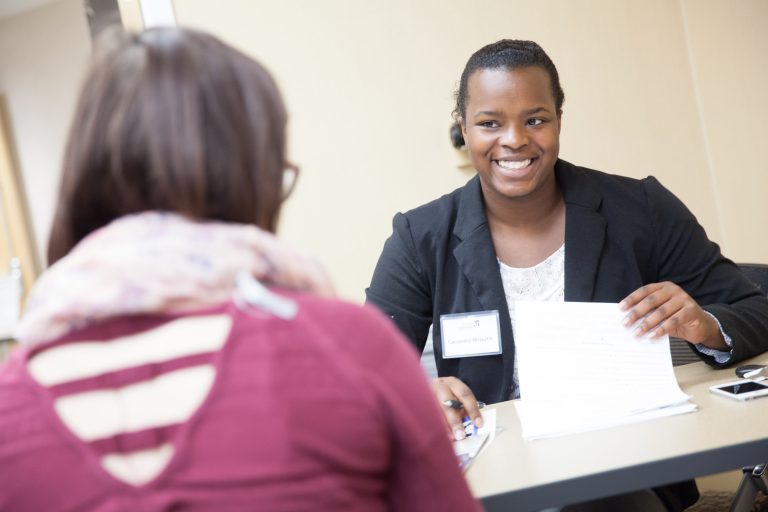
(259, 296)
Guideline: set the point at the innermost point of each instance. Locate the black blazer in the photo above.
(620, 233)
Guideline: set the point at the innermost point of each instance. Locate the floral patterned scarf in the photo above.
(158, 262)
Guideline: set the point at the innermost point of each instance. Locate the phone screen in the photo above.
(747, 387)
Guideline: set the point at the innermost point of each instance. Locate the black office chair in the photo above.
(681, 352)
(757, 273)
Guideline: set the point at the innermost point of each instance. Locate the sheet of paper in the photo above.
(469, 448)
(579, 368)
(549, 419)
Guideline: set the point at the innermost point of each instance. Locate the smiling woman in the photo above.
(531, 226)
(511, 127)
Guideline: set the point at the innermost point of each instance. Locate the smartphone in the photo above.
(741, 390)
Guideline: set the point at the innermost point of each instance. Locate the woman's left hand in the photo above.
(657, 309)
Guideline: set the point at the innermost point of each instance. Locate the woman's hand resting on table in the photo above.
(451, 388)
(657, 309)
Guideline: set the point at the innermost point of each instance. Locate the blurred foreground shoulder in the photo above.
(351, 324)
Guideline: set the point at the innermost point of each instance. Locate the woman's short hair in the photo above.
(174, 120)
(508, 54)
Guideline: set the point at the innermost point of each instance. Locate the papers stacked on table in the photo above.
(580, 369)
(471, 446)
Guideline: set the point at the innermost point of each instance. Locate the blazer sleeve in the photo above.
(688, 258)
(400, 287)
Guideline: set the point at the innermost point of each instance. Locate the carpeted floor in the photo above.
(712, 501)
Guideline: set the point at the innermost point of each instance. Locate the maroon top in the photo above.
(328, 411)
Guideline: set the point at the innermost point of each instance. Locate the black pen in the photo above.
(455, 404)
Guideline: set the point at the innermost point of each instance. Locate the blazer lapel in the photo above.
(584, 232)
(477, 260)
(474, 253)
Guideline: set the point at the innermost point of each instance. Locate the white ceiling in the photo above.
(10, 8)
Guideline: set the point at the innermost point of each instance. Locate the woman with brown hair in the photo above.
(175, 354)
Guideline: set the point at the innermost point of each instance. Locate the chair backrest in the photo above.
(757, 273)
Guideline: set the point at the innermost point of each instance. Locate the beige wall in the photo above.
(42, 55)
(728, 43)
(660, 87)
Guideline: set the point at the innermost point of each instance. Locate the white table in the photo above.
(723, 435)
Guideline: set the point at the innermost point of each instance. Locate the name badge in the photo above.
(470, 334)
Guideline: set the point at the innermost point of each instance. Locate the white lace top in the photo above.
(542, 282)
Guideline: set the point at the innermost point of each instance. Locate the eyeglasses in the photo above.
(290, 177)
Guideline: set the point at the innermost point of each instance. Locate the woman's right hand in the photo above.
(451, 388)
